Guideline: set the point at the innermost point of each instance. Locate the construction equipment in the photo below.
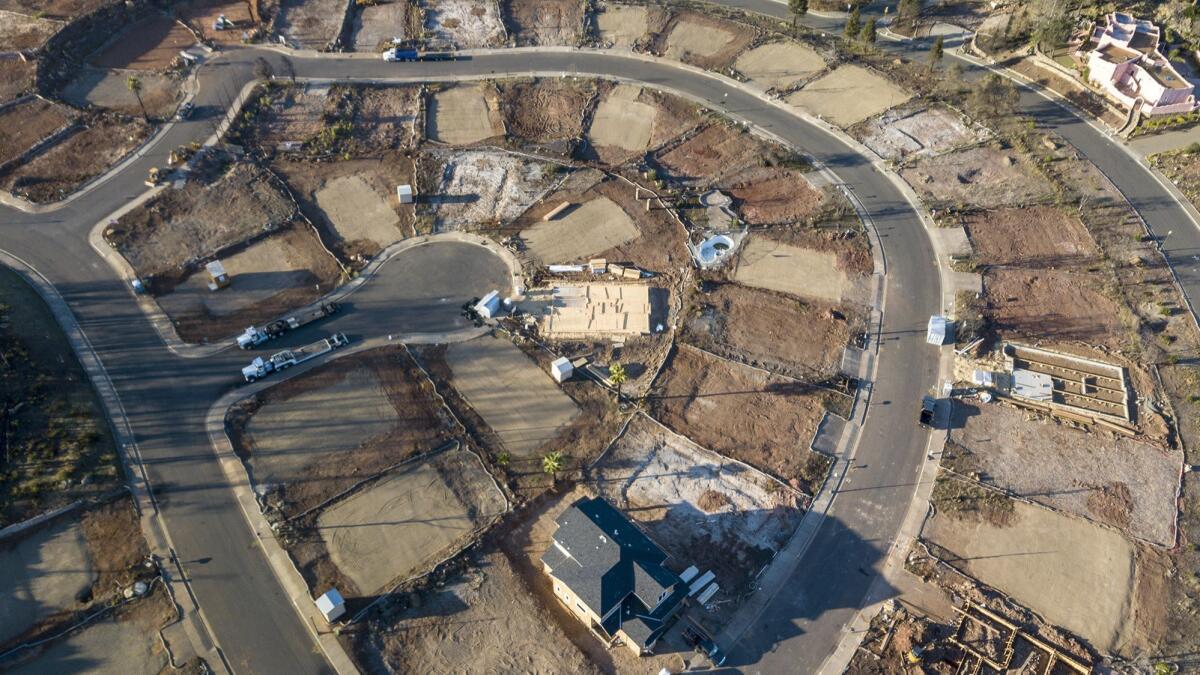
(256, 335)
(287, 358)
(154, 177)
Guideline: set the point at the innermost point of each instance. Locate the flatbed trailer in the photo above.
(284, 359)
(257, 335)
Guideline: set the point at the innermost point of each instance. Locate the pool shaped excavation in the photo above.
(715, 248)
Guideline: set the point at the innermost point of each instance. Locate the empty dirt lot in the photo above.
(718, 150)
(358, 211)
(622, 121)
(701, 509)
(985, 177)
(1118, 481)
(16, 79)
(481, 620)
(779, 65)
(1032, 237)
(765, 421)
(463, 24)
(774, 196)
(702, 40)
(545, 22)
(379, 24)
(848, 95)
(800, 338)
(294, 115)
(478, 188)
(516, 398)
(44, 573)
(583, 231)
(25, 124)
(803, 272)
(1076, 574)
(176, 227)
(317, 434)
(52, 9)
(1055, 305)
(125, 642)
(464, 114)
(150, 44)
(409, 519)
(310, 24)
(545, 110)
(20, 31)
(202, 14)
(914, 131)
(83, 155)
(624, 25)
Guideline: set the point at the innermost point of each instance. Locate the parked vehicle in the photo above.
(287, 358)
(396, 54)
(928, 410)
(256, 335)
(185, 111)
(701, 642)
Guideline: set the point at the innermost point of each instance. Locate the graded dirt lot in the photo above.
(1075, 574)
(203, 13)
(110, 89)
(914, 131)
(1054, 305)
(771, 196)
(622, 121)
(766, 421)
(310, 24)
(164, 235)
(73, 161)
(546, 110)
(478, 188)
(463, 24)
(464, 114)
(984, 177)
(315, 435)
(702, 40)
(803, 272)
(1032, 237)
(16, 79)
(701, 509)
(624, 25)
(848, 95)
(545, 22)
(581, 232)
(799, 338)
(52, 9)
(779, 65)
(386, 118)
(411, 518)
(482, 620)
(1118, 481)
(21, 31)
(149, 44)
(516, 398)
(358, 211)
(125, 643)
(43, 573)
(375, 25)
(718, 150)
(25, 124)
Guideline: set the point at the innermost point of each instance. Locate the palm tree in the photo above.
(552, 463)
(798, 8)
(618, 376)
(135, 85)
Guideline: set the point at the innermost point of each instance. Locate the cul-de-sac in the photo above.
(600, 336)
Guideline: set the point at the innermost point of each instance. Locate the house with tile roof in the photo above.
(611, 575)
(1123, 58)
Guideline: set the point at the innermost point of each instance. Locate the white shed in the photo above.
(940, 330)
(561, 369)
(332, 605)
(489, 305)
(404, 193)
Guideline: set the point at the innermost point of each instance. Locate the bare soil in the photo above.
(586, 229)
(57, 444)
(169, 236)
(628, 26)
(803, 339)
(765, 421)
(286, 113)
(288, 419)
(801, 271)
(1183, 169)
(984, 177)
(53, 9)
(1054, 305)
(20, 32)
(310, 24)
(545, 22)
(375, 26)
(629, 120)
(109, 89)
(150, 44)
(546, 110)
(25, 124)
(16, 79)
(848, 95)
(714, 153)
(80, 157)
(463, 24)
(779, 65)
(482, 188)
(773, 196)
(202, 13)
(1033, 237)
(464, 114)
(909, 132)
(702, 40)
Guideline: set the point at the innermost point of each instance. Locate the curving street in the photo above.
(166, 397)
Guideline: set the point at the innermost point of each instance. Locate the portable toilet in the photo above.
(332, 605)
(940, 330)
(217, 278)
(404, 193)
(489, 305)
(561, 369)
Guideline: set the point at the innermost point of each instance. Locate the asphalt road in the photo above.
(166, 398)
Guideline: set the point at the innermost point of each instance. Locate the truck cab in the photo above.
(257, 368)
(396, 54)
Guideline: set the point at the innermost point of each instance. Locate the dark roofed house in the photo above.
(611, 575)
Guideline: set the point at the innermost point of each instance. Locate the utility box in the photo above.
(332, 605)
(489, 306)
(404, 193)
(561, 369)
(217, 278)
(940, 330)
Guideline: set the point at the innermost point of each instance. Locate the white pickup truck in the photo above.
(287, 358)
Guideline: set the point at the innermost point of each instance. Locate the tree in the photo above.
(135, 85)
(994, 96)
(853, 24)
(552, 463)
(618, 376)
(798, 8)
(503, 458)
(935, 54)
(868, 33)
(907, 12)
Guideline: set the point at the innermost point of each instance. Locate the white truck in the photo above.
(256, 335)
(287, 358)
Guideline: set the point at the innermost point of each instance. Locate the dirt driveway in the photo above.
(516, 398)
